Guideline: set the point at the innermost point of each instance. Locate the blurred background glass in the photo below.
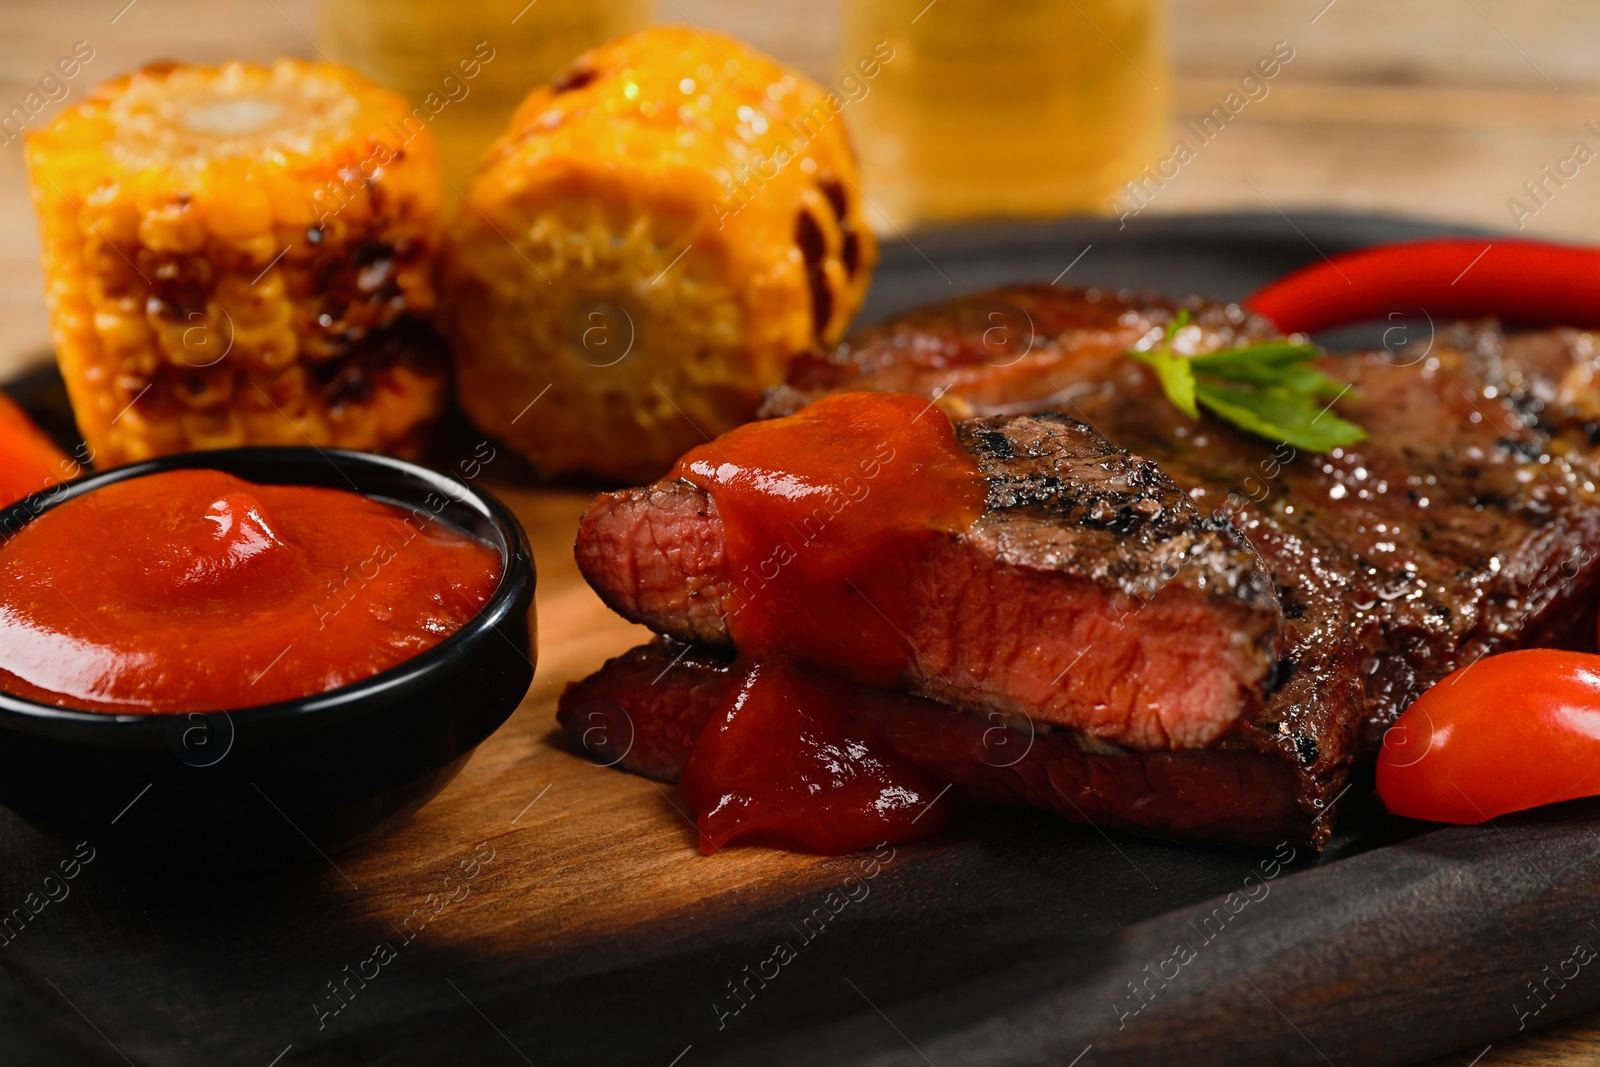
(1027, 107)
(413, 46)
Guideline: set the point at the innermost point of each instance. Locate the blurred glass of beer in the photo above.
(1002, 107)
(468, 65)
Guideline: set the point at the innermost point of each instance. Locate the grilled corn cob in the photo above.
(240, 255)
(665, 224)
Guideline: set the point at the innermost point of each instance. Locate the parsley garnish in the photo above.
(1264, 388)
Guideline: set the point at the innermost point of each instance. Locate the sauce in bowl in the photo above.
(195, 590)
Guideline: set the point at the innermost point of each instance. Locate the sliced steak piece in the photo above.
(1468, 522)
(1090, 593)
(644, 709)
(658, 553)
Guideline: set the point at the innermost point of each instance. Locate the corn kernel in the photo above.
(186, 266)
(656, 284)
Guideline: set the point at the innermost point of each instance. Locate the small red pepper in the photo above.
(1528, 282)
(1505, 733)
(29, 461)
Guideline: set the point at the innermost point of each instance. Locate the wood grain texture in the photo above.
(1543, 45)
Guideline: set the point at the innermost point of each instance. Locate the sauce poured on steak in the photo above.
(994, 565)
(645, 710)
(821, 513)
(1023, 565)
(791, 758)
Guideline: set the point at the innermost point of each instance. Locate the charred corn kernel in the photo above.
(241, 255)
(664, 225)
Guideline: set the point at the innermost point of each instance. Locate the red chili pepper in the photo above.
(29, 462)
(1503, 734)
(1527, 282)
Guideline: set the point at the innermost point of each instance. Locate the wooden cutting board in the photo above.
(549, 911)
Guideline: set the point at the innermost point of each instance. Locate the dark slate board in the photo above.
(1008, 941)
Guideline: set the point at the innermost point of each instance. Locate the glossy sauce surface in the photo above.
(782, 763)
(194, 590)
(822, 511)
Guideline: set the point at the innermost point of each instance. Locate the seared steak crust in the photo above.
(1061, 497)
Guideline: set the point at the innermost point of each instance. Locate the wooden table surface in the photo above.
(1435, 108)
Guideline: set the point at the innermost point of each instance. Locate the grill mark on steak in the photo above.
(644, 710)
(1029, 611)
(1466, 524)
(1063, 498)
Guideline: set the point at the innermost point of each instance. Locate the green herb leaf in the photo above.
(1174, 372)
(1296, 418)
(1266, 389)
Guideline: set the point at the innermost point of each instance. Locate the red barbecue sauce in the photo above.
(823, 511)
(194, 590)
(781, 763)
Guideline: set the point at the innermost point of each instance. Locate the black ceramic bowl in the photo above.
(279, 781)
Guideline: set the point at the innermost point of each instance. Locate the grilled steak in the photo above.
(1090, 593)
(1466, 524)
(644, 710)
